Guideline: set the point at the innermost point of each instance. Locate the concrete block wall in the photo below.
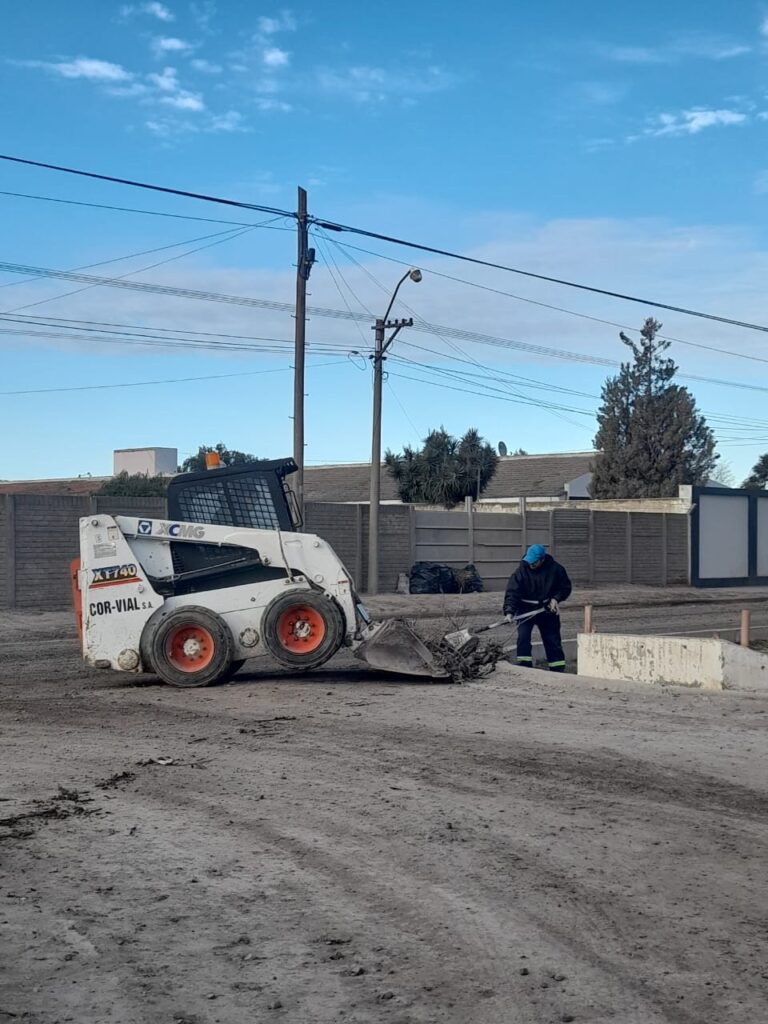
(609, 546)
(46, 540)
(7, 550)
(570, 543)
(39, 536)
(341, 526)
(678, 550)
(345, 527)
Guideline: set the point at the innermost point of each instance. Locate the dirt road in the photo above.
(348, 847)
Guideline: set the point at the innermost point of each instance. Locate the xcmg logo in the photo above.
(186, 530)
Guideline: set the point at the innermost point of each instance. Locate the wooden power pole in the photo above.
(305, 257)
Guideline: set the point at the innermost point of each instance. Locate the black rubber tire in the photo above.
(216, 670)
(333, 621)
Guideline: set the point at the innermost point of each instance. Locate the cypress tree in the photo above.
(651, 435)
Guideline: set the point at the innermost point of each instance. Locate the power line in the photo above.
(453, 345)
(332, 226)
(231, 235)
(152, 188)
(366, 342)
(421, 247)
(56, 321)
(147, 213)
(133, 256)
(466, 391)
(286, 307)
(278, 348)
(170, 380)
(523, 399)
(416, 432)
(545, 305)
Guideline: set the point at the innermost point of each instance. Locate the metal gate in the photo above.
(729, 538)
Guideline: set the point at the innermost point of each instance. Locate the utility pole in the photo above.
(305, 257)
(379, 355)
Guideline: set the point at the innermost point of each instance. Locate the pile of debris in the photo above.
(469, 662)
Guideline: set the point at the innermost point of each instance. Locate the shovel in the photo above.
(462, 637)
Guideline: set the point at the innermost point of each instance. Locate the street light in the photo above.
(382, 324)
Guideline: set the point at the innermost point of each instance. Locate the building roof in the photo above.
(517, 476)
(79, 485)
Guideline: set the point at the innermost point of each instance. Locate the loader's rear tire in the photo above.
(303, 629)
(191, 647)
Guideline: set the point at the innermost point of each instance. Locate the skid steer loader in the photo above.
(225, 578)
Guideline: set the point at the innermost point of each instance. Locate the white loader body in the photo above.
(191, 602)
(126, 565)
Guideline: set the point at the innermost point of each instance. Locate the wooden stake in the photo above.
(744, 632)
(588, 625)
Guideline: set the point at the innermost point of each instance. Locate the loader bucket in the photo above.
(393, 646)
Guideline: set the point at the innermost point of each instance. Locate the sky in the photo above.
(613, 145)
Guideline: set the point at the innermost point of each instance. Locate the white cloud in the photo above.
(706, 47)
(232, 121)
(160, 11)
(87, 67)
(274, 57)
(760, 184)
(633, 55)
(166, 81)
(203, 14)
(183, 100)
(131, 91)
(169, 44)
(262, 103)
(284, 22)
(171, 93)
(764, 26)
(168, 128)
(600, 93)
(206, 67)
(155, 10)
(691, 122)
(367, 84)
(709, 48)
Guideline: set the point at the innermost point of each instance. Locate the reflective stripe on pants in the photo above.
(549, 627)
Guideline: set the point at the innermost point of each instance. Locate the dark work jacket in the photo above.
(539, 585)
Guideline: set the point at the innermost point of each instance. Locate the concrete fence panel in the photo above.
(46, 539)
(39, 536)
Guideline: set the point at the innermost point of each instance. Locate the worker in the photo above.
(538, 582)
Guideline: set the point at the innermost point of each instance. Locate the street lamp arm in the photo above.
(394, 294)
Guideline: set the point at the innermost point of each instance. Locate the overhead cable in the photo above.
(393, 240)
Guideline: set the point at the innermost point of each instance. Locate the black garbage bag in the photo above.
(424, 578)
(433, 578)
(469, 579)
(449, 583)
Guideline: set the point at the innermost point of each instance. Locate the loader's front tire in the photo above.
(191, 647)
(303, 629)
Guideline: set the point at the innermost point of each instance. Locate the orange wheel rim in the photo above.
(301, 629)
(190, 648)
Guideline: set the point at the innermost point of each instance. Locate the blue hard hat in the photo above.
(535, 553)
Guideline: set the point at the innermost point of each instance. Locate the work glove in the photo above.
(552, 606)
(509, 617)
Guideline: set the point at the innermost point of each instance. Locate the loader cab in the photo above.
(254, 496)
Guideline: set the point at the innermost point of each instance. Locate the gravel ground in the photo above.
(347, 846)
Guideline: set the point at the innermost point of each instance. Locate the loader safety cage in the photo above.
(253, 496)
